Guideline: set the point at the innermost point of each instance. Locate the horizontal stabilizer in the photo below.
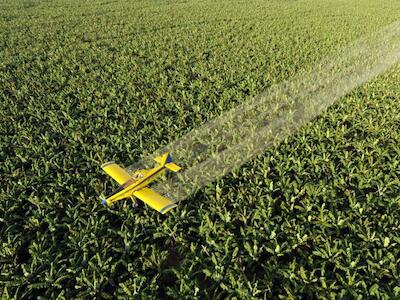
(173, 167)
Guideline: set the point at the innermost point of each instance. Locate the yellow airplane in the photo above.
(136, 185)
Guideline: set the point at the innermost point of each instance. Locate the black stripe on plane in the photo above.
(122, 187)
(166, 207)
(130, 181)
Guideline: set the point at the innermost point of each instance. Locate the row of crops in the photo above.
(84, 82)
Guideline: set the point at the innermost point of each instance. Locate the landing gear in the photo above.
(135, 203)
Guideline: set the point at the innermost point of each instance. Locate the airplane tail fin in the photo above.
(166, 160)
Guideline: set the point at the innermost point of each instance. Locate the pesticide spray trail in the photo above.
(238, 135)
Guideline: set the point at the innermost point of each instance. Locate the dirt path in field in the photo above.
(238, 135)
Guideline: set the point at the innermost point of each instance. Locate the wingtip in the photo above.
(168, 208)
(106, 164)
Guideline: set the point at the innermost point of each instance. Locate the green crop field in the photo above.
(84, 82)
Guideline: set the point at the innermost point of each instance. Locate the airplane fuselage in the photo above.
(152, 175)
(133, 185)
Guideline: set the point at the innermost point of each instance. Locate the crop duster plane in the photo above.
(136, 185)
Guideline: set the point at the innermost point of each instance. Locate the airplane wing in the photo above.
(116, 172)
(155, 200)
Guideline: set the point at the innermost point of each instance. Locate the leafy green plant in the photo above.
(84, 82)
